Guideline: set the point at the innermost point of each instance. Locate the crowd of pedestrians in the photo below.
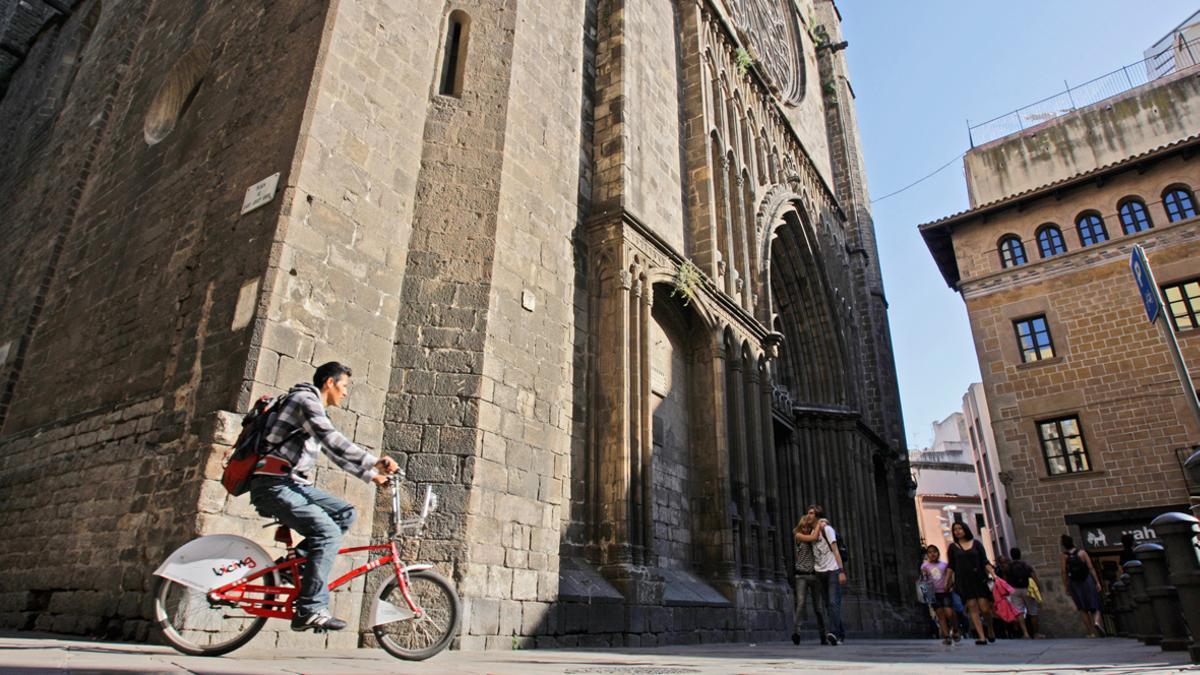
(965, 594)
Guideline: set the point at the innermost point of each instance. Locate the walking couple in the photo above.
(819, 570)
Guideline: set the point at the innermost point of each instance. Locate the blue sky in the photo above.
(919, 70)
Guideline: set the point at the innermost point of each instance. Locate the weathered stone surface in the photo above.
(501, 265)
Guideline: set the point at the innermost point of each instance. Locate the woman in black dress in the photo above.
(969, 563)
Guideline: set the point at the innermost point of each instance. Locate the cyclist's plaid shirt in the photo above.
(303, 411)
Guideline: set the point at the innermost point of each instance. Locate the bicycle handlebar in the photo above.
(412, 526)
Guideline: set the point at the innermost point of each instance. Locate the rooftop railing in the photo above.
(1176, 56)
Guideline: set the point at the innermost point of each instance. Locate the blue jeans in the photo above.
(320, 517)
(830, 588)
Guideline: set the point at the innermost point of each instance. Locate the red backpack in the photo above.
(251, 445)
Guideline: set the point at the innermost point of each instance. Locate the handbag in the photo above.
(1000, 605)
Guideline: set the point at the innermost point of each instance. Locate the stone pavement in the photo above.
(40, 653)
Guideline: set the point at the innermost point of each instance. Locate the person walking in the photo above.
(831, 575)
(1020, 573)
(1081, 582)
(971, 569)
(282, 487)
(805, 579)
(935, 574)
(1127, 549)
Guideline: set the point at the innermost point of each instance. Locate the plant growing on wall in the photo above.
(818, 34)
(687, 281)
(831, 94)
(743, 60)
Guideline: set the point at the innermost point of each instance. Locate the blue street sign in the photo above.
(1145, 282)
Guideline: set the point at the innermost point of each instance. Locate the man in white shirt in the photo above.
(831, 575)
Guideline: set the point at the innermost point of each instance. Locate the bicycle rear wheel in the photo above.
(195, 626)
(417, 639)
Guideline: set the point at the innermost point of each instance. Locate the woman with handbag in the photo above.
(972, 570)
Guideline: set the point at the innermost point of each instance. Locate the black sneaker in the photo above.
(318, 622)
(832, 639)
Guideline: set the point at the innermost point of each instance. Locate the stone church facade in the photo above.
(606, 274)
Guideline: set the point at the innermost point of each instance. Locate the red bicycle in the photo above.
(215, 593)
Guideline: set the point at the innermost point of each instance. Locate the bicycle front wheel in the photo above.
(417, 639)
(192, 624)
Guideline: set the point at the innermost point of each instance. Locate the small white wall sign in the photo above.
(260, 193)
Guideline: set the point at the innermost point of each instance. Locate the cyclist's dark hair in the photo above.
(332, 370)
(1015, 553)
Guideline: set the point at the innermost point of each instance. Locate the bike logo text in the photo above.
(247, 562)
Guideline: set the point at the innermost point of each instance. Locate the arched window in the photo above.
(454, 59)
(1179, 202)
(1012, 253)
(1050, 240)
(1091, 228)
(1134, 216)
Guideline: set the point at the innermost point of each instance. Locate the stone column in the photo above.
(779, 527)
(612, 438)
(646, 428)
(754, 444)
(1179, 532)
(633, 413)
(727, 231)
(1145, 628)
(741, 490)
(1164, 601)
(745, 275)
(698, 96)
(718, 536)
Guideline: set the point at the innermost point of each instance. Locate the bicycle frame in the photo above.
(279, 601)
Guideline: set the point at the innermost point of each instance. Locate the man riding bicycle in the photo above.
(283, 489)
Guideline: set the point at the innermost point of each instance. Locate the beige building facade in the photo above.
(948, 487)
(1090, 421)
(606, 276)
(992, 492)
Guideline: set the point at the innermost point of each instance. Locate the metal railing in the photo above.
(1175, 57)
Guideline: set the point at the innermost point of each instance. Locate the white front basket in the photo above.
(212, 561)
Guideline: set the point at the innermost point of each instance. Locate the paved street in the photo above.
(29, 653)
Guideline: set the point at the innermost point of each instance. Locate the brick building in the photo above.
(1090, 421)
(606, 275)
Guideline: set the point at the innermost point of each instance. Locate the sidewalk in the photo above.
(35, 653)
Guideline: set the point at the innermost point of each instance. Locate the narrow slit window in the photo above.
(454, 59)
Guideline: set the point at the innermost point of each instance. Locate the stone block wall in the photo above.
(453, 249)
(124, 314)
(654, 115)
